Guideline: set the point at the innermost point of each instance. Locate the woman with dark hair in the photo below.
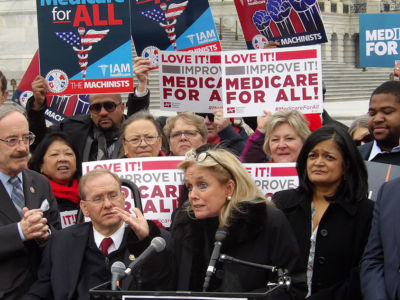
(58, 160)
(329, 213)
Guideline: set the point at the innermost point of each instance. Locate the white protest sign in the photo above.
(273, 177)
(160, 182)
(158, 179)
(68, 218)
(190, 81)
(274, 79)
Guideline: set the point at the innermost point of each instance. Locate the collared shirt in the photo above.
(116, 237)
(377, 150)
(9, 187)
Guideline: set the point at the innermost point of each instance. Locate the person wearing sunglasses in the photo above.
(185, 131)
(95, 135)
(223, 196)
(223, 131)
(141, 136)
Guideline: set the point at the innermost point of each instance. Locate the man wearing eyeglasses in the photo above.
(95, 135)
(28, 208)
(79, 257)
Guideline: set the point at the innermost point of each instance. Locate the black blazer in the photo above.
(19, 260)
(60, 270)
(341, 238)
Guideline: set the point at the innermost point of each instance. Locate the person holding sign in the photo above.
(278, 138)
(141, 136)
(95, 135)
(185, 131)
(58, 160)
(330, 213)
(223, 197)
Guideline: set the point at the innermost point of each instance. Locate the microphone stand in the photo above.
(284, 280)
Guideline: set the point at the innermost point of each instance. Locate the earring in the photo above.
(228, 198)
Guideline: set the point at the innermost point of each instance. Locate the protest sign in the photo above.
(157, 178)
(85, 48)
(160, 182)
(173, 25)
(289, 22)
(379, 40)
(273, 79)
(190, 81)
(58, 107)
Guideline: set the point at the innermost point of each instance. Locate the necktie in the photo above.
(105, 244)
(17, 195)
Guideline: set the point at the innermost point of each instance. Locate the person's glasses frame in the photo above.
(189, 134)
(136, 141)
(111, 196)
(203, 156)
(26, 139)
(109, 106)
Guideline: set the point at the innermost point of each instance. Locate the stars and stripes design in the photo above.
(80, 40)
(166, 16)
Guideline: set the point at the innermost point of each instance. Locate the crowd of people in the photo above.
(325, 235)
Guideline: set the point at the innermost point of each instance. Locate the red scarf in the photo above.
(66, 192)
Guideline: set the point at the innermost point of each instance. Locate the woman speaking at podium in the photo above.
(222, 196)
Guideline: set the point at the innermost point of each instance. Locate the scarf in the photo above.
(66, 192)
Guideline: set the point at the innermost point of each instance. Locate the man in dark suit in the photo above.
(76, 258)
(380, 272)
(384, 125)
(28, 208)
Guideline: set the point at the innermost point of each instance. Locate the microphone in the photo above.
(220, 236)
(157, 245)
(118, 272)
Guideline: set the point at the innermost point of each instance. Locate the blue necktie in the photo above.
(17, 195)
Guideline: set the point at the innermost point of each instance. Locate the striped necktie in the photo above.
(17, 195)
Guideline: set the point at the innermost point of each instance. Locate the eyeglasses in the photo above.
(203, 156)
(112, 197)
(136, 141)
(189, 134)
(109, 106)
(27, 139)
(209, 116)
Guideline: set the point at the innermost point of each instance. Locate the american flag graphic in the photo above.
(79, 40)
(166, 15)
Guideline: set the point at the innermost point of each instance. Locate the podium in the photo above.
(102, 292)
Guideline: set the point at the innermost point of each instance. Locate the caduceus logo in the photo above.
(166, 16)
(81, 43)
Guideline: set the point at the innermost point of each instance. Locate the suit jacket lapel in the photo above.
(32, 199)
(7, 207)
(74, 262)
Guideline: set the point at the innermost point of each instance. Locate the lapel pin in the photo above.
(32, 189)
(132, 257)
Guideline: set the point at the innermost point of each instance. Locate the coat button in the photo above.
(323, 232)
(321, 260)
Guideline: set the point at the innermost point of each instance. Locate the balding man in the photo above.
(79, 257)
(28, 208)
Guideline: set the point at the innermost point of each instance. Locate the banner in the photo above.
(289, 22)
(172, 25)
(379, 40)
(273, 79)
(160, 182)
(85, 48)
(58, 107)
(190, 81)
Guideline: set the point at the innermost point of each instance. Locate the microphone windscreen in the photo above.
(221, 234)
(158, 243)
(118, 267)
